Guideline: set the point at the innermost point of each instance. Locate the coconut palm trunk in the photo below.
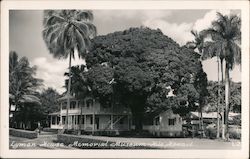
(67, 31)
(80, 122)
(68, 94)
(218, 102)
(222, 102)
(227, 94)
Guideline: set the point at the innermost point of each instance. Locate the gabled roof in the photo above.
(65, 97)
(212, 115)
(54, 113)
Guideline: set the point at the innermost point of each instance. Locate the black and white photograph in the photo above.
(89, 78)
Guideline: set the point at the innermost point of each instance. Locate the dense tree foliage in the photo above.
(140, 66)
(49, 99)
(212, 98)
(23, 87)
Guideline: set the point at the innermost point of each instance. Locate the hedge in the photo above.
(50, 130)
(23, 133)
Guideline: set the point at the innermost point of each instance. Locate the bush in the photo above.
(50, 130)
(23, 133)
(234, 133)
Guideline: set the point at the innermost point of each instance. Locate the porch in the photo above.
(92, 122)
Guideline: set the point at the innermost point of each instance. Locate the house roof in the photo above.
(212, 115)
(54, 113)
(66, 97)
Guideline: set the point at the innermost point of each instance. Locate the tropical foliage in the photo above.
(67, 32)
(226, 39)
(22, 86)
(212, 98)
(140, 66)
(49, 99)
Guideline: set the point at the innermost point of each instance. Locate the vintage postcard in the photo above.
(124, 79)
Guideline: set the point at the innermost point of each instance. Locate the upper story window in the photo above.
(89, 103)
(73, 105)
(107, 104)
(157, 120)
(171, 121)
(81, 103)
(64, 105)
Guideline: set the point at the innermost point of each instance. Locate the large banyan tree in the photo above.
(146, 71)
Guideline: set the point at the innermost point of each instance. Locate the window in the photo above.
(91, 120)
(171, 121)
(157, 121)
(53, 120)
(63, 120)
(89, 103)
(81, 103)
(83, 120)
(106, 104)
(58, 120)
(64, 105)
(72, 104)
(79, 120)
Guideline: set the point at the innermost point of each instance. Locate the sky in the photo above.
(26, 36)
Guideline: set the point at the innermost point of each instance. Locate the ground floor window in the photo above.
(91, 120)
(63, 120)
(58, 120)
(53, 120)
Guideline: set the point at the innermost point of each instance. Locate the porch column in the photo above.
(76, 120)
(93, 123)
(111, 124)
(51, 120)
(60, 114)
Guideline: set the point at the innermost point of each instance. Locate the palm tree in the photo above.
(67, 32)
(226, 36)
(198, 43)
(22, 83)
(79, 86)
(212, 49)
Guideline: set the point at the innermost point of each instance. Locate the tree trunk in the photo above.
(222, 105)
(218, 102)
(227, 94)
(222, 71)
(68, 94)
(138, 121)
(80, 122)
(202, 125)
(137, 112)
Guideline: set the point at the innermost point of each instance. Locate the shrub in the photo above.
(23, 133)
(234, 133)
(50, 130)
